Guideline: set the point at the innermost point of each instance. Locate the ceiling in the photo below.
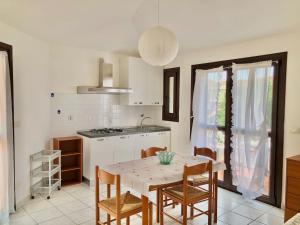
(115, 25)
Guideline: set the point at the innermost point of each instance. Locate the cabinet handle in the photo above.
(102, 139)
(140, 103)
(123, 137)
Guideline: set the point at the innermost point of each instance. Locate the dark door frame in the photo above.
(9, 49)
(277, 134)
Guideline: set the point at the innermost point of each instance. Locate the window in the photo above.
(171, 94)
(275, 120)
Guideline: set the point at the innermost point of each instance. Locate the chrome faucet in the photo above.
(141, 125)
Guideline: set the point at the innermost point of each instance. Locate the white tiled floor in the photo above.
(75, 205)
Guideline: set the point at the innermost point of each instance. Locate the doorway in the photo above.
(275, 115)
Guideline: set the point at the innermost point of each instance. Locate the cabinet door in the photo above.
(101, 153)
(124, 150)
(165, 139)
(136, 74)
(142, 141)
(155, 85)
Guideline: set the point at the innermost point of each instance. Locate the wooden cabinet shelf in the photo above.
(69, 168)
(71, 158)
(70, 154)
(292, 202)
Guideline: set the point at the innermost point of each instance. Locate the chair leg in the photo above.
(128, 220)
(97, 215)
(118, 221)
(108, 219)
(150, 213)
(184, 218)
(157, 205)
(181, 209)
(209, 210)
(192, 211)
(161, 208)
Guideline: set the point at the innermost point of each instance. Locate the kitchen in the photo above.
(84, 86)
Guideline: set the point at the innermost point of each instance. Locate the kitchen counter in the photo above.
(125, 131)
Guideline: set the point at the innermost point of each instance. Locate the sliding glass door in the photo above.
(275, 121)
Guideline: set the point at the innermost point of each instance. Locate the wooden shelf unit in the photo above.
(292, 202)
(71, 158)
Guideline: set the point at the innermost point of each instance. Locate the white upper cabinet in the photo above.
(145, 80)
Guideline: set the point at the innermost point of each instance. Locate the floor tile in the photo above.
(248, 212)
(22, 220)
(255, 223)
(46, 214)
(228, 204)
(82, 216)
(61, 198)
(34, 206)
(265, 208)
(70, 207)
(19, 213)
(58, 221)
(270, 219)
(234, 219)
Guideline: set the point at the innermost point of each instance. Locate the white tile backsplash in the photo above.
(88, 111)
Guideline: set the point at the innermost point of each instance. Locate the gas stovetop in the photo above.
(101, 132)
(106, 130)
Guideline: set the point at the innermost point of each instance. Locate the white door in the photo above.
(155, 88)
(136, 81)
(141, 141)
(124, 148)
(101, 153)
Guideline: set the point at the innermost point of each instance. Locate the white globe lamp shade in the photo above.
(158, 46)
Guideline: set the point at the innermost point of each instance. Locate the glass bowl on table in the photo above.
(165, 157)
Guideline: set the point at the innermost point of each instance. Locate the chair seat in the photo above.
(129, 203)
(198, 179)
(193, 193)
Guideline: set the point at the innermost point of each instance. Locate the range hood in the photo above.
(105, 82)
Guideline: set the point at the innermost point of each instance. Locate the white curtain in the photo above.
(4, 141)
(250, 148)
(205, 101)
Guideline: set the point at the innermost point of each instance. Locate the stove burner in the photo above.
(106, 130)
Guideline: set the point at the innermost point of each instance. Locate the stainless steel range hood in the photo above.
(105, 82)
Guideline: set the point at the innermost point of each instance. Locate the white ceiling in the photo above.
(115, 25)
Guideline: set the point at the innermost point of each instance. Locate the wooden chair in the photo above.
(207, 152)
(188, 195)
(121, 206)
(149, 153)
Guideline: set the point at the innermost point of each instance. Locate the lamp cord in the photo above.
(158, 12)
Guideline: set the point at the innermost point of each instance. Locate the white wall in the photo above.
(32, 106)
(276, 43)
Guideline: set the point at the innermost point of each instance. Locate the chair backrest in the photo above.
(109, 179)
(205, 152)
(197, 170)
(151, 151)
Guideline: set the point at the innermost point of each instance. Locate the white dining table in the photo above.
(145, 175)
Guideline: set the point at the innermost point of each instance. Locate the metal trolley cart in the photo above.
(45, 172)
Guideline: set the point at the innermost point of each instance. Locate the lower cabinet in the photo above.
(108, 150)
(123, 149)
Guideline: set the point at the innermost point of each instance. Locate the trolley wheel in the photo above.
(48, 197)
(59, 188)
(32, 197)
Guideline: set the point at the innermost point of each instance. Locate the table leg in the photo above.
(215, 197)
(145, 210)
